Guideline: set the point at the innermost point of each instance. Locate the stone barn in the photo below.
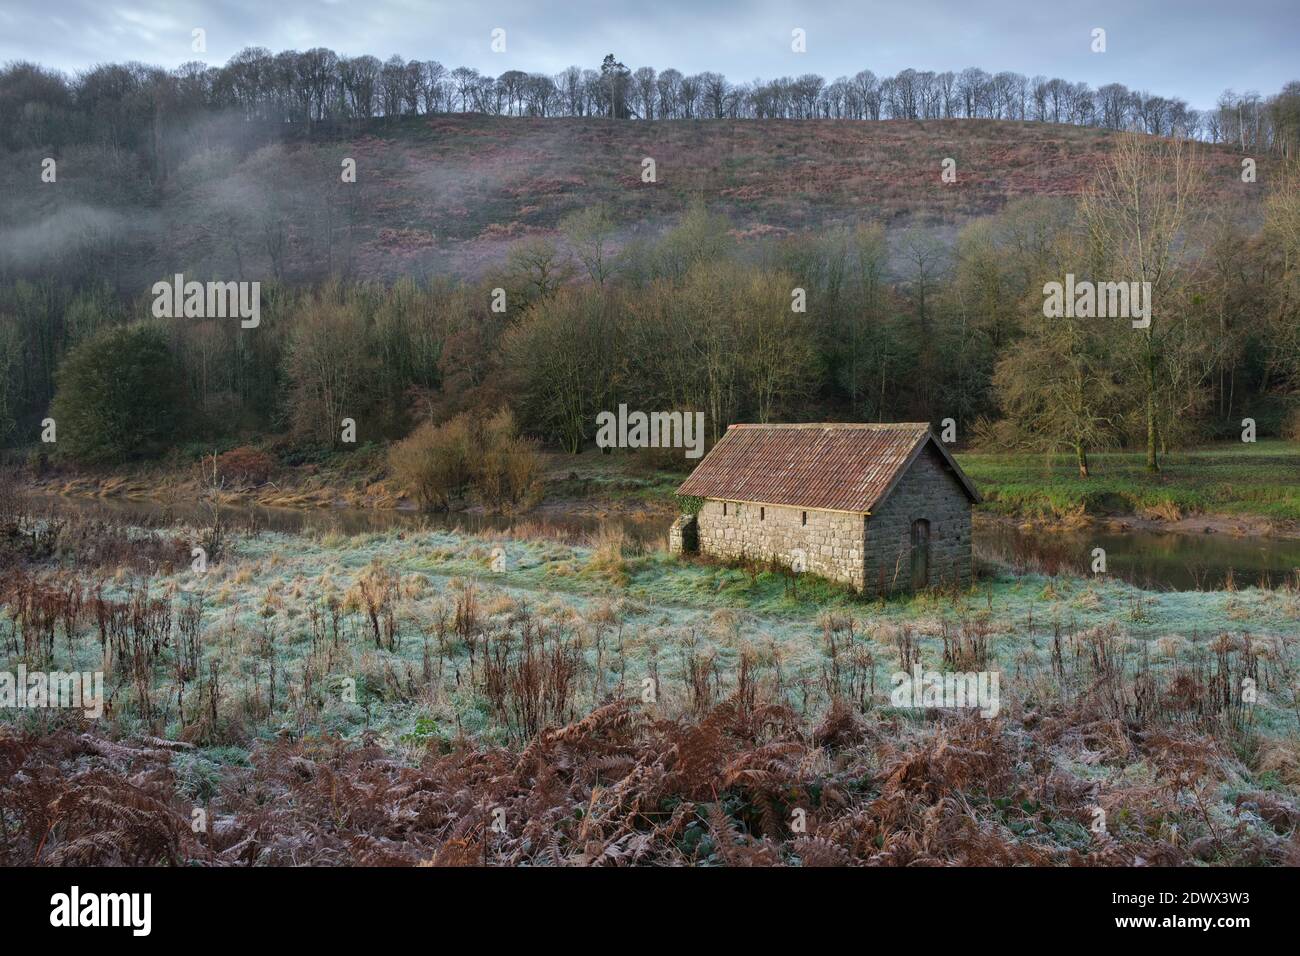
(882, 508)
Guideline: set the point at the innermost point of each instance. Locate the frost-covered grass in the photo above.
(412, 640)
(298, 604)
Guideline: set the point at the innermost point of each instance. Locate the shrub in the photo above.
(119, 396)
(509, 473)
(244, 466)
(608, 560)
(442, 464)
(655, 460)
(433, 463)
(11, 508)
(1291, 425)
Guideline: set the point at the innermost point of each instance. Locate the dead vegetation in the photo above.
(1100, 760)
(282, 735)
(747, 783)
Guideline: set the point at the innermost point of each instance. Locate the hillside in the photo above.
(450, 193)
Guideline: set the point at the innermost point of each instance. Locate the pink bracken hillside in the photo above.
(451, 193)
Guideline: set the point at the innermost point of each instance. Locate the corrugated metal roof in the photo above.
(837, 467)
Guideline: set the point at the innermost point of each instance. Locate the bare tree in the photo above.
(1138, 211)
(645, 91)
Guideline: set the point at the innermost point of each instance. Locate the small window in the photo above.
(762, 514)
(804, 518)
(724, 509)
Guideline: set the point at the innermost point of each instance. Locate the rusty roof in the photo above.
(835, 467)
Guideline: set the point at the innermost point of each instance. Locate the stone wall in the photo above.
(684, 535)
(831, 541)
(928, 490)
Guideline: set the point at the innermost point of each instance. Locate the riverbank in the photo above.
(1232, 488)
(1225, 489)
(591, 484)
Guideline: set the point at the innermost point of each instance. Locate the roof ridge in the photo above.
(831, 425)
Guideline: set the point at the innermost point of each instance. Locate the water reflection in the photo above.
(1150, 559)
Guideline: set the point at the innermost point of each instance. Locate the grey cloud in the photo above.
(1189, 48)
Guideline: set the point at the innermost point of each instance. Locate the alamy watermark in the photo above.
(954, 690)
(75, 908)
(651, 430)
(175, 299)
(31, 690)
(1098, 300)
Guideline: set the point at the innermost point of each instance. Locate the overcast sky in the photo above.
(1189, 48)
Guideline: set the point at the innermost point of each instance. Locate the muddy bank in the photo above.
(303, 489)
(314, 491)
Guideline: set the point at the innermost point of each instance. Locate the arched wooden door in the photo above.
(920, 554)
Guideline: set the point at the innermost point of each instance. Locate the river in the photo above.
(1151, 559)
